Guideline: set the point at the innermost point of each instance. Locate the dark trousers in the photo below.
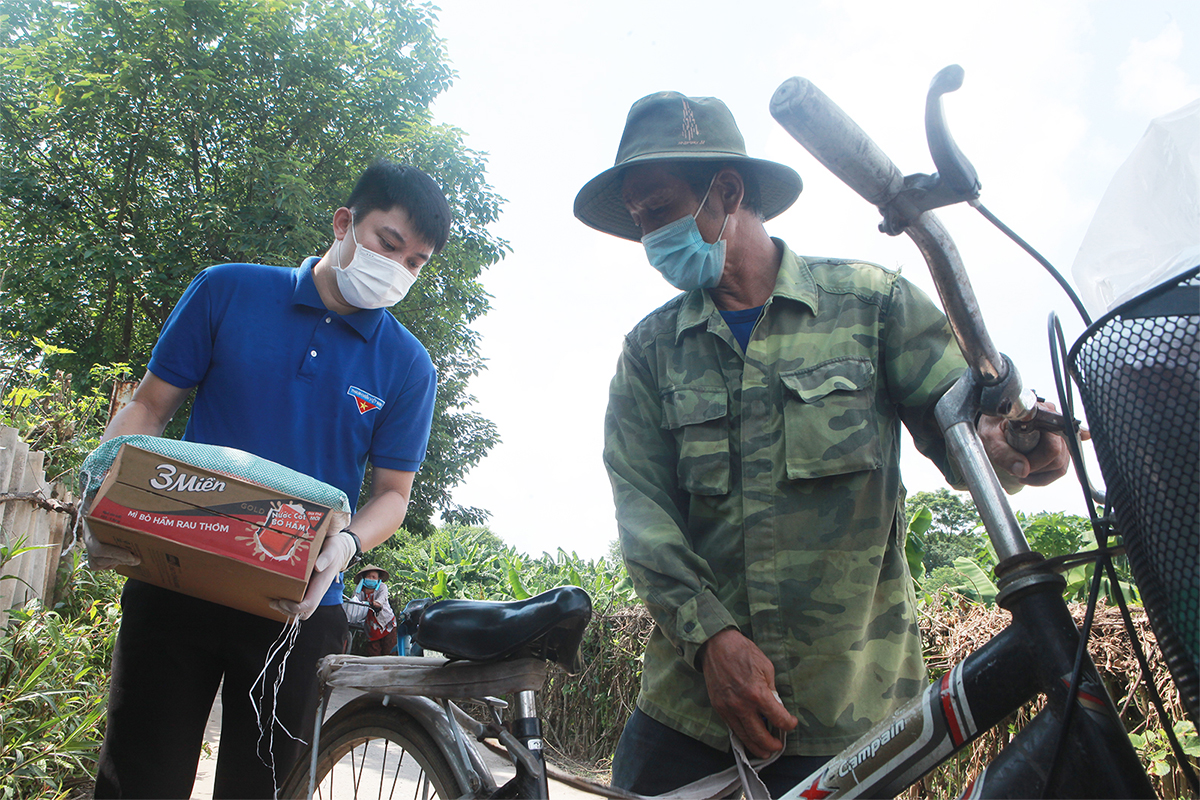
(382, 646)
(652, 759)
(171, 654)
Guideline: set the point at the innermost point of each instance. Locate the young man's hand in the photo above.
(101, 556)
(336, 552)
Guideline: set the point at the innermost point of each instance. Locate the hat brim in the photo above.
(599, 205)
(371, 567)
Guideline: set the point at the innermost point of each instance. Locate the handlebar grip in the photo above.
(835, 140)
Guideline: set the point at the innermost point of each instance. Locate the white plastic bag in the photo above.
(1147, 226)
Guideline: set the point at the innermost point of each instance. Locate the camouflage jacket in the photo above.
(761, 491)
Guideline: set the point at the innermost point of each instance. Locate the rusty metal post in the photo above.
(122, 393)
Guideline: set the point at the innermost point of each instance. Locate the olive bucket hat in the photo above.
(668, 126)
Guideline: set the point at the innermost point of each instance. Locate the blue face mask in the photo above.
(680, 253)
(370, 583)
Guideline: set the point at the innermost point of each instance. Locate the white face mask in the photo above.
(371, 280)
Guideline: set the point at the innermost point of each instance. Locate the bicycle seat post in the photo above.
(528, 729)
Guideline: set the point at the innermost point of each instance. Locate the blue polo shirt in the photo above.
(280, 376)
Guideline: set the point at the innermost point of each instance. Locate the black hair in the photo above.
(386, 185)
(699, 176)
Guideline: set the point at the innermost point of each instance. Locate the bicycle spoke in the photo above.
(395, 776)
(358, 772)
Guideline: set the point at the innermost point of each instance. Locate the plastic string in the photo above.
(284, 644)
(85, 481)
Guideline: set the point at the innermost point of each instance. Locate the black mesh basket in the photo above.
(1138, 370)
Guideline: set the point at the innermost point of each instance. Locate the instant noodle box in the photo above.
(210, 535)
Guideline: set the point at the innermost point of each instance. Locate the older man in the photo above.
(752, 440)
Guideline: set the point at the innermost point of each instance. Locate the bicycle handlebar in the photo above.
(835, 140)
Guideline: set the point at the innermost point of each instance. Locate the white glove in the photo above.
(103, 556)
(335, 556)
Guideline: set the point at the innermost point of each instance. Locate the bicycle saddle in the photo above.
(548, 626)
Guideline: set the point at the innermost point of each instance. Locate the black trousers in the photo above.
(652, 758)
(171, 654)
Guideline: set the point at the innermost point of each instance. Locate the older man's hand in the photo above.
(741, 686)
(1045, 464)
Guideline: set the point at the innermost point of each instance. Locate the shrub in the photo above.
(584, 714)
(50, 414)
(474, 563)
(53, 684)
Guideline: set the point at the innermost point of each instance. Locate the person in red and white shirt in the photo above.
(380, 621)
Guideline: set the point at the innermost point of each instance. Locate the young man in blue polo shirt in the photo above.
(304, 367)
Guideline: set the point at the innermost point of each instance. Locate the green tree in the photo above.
(143, 140)
(953, 532)
(1056, 533)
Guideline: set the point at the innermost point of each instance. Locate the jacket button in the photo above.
(688, 628)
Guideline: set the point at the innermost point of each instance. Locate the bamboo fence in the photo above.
(33, 513)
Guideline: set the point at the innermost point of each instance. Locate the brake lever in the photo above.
(955, 181)
(1024, 434)
(954, 170)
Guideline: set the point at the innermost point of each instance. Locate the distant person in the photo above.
(307, 368)
(374, 611)
(753, 443)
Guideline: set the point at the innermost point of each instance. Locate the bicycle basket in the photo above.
(1138, 371)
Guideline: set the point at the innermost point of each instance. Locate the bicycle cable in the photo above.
(1077, 672)
(1038, 257)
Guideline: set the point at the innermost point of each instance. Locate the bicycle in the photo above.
(357, 625)
(499, 648)
(1076, 746)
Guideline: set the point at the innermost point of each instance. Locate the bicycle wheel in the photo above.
(368, 750)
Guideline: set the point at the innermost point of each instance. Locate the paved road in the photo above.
(501, 769)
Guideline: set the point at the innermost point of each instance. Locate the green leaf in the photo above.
(514, 583)
(914, 546)
(983, 587)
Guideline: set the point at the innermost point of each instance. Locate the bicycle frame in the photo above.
(1037, 653)
(1034, 655)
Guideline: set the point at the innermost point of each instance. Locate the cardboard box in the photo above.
(209, 535)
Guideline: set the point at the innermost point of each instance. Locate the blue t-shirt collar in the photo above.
(363, 321)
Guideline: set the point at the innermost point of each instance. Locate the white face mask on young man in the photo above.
(371, 280)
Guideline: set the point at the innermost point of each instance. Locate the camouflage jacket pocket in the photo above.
(829, 419)
(699, 419)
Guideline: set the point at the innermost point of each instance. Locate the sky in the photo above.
(1057, 93)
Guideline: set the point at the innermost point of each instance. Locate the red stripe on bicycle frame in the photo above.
(1086, 699)
(956, 732)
